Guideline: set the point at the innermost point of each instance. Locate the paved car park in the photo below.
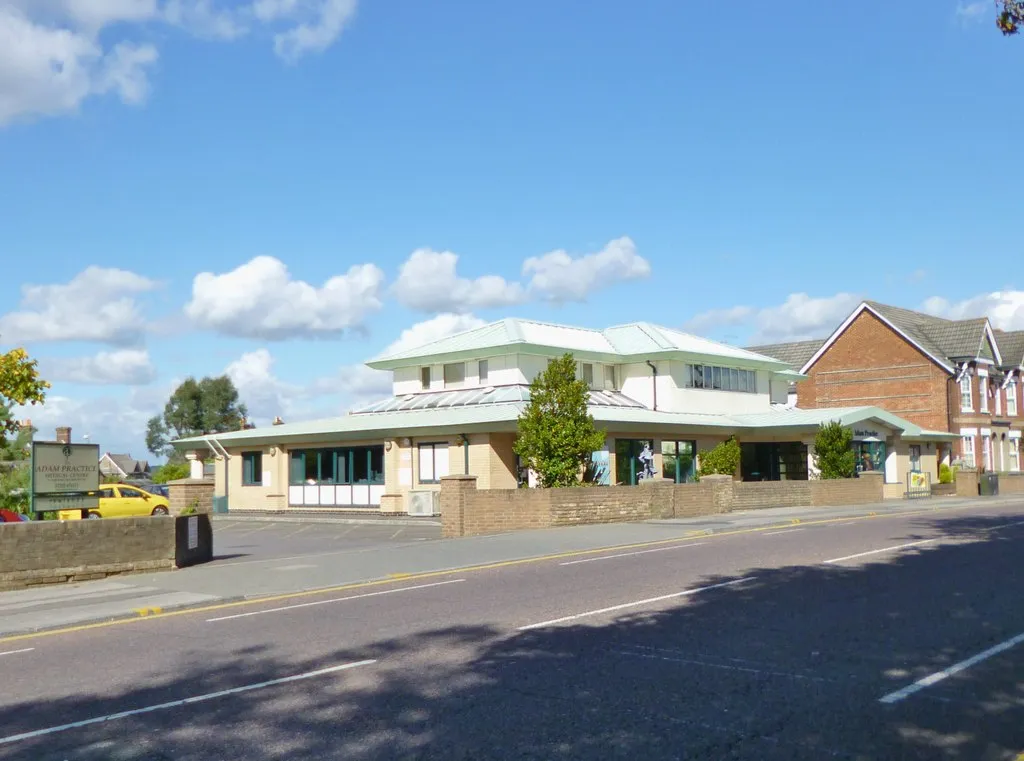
(242, 539)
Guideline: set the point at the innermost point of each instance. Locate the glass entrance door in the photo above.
(634, 460)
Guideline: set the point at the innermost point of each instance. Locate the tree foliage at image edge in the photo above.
(557, 435)
(833, 451)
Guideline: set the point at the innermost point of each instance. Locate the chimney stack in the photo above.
(63, 435)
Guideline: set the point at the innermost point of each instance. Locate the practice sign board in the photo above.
(65, 474)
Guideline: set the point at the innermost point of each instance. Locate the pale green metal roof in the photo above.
(616, 344)
(503, 416)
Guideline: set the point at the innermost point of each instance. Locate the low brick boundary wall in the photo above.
(1011, 483)
(966, 483)
(465, 511)
(48, 552)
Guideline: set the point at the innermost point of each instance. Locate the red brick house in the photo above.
(959, 376)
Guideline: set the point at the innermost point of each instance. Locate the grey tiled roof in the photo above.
(794, 354)
(1011, 346)
(948, 340)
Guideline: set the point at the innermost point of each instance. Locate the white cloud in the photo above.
(263, 393)
(259, 299)
(1004, 309)
(56, 54)
(47, 70)
(557, 276)
(974, 11)
(131, 367)
(427, 280)
(799, 318)
(98, 304)
(434, 329)
(324, 25)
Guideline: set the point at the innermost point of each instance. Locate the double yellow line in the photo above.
(152, 614)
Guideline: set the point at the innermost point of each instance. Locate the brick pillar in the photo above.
(454, 490)
(63, 435)
(967, 483)
(877, 480)
(721, 492)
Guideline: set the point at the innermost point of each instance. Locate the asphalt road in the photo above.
(797, 643)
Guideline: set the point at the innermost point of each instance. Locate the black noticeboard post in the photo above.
(193, 540)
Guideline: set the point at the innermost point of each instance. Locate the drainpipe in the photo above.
(654, 382)
(465, 453)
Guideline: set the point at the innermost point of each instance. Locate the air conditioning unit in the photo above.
(423, 503)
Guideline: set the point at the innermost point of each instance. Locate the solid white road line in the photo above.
(635, 603)
(784, 531)
(15, 652)
(956, 668)
(629, 554)
(884, 549)
(183, 702)
(334, 599)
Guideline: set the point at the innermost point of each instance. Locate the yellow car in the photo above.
(122, 501)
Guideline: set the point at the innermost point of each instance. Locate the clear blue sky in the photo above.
(747, 155)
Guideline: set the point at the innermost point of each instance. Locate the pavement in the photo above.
(256, 557)
(899, 636)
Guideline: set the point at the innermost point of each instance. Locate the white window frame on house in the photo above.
(915, 458)
(966, 395)
(986, 450)
(721, 378)
(999, 398)
(982, 392)
(454, 375)
(433, 462)
(967, 449)
(425, 378)
(586, 370)
(482, 372)
(609, 378)
(1011, 399)
(1015, 453)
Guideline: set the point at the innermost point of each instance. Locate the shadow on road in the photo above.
(790, 665)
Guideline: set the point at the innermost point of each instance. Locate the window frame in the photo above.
(966, 394)
(426, 381)
(968, 450)
(915, 458)
(1014, 455)
(1011, 398)
(986, 452)
(483, 372)
(733, 379)
(983, 393)
(433, 446)
(583, 374)
(255, 475)
(453, 384)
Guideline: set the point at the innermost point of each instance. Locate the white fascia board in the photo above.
(856, 313)
(993, 343)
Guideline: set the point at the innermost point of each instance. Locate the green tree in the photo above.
(15, 475)
(833, 451)
(722, 460)
(1011, 16)
(19, 384)
(172, 471)
(557, 436)
(210, 405)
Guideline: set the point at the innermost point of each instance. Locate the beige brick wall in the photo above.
(757, 494)
(866, 490)
(1011, 484)
(966, 483)
(44, 552)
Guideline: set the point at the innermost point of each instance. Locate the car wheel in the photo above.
(159, 511)
(94, 515)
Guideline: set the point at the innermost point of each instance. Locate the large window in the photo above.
(455, 375)
(1011, 398)
(679, 461)
(870, 455)
(720, 378)
(634, 460)
(433, 462)
(773, 461)
(966, 402)
(967, 450)
(915, 458)
(983, 393)
(986, 452)
(1013, 452)
(252, 468)
(344, 465)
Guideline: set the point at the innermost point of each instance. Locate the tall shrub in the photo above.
(833, 451)
(722, 460)
(557, 435)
